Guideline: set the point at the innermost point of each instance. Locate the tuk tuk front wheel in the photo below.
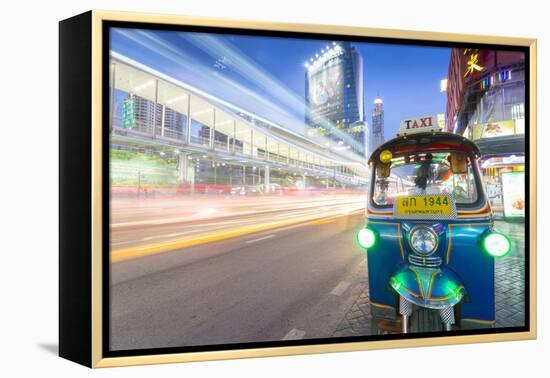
(425, 320)
(429, 320)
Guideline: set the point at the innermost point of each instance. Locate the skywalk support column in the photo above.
(234, 135)
(162, 120)
(112, 105)
(183, 167)
(266, 179)
(186, 173)
(212, 133)
(155, 115)
(188, 121)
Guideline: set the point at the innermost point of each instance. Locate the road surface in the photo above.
(290, 282)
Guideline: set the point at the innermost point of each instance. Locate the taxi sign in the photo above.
(425, 207)
(420, 124)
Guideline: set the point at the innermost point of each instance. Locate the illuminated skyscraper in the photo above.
(377, 127)
(334, 95)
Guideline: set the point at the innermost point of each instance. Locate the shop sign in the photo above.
(503, 161)
(513, 193)
(472, 64)
(494, 129)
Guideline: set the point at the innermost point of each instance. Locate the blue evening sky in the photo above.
(266, 75)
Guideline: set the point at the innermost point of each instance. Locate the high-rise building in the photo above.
(377, 127)
(148, 115)
(173, 123)
(334, 95)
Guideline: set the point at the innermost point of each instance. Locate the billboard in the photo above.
(325, 92)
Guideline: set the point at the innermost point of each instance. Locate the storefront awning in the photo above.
(501, 146)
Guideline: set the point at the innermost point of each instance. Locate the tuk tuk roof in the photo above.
(427, 141)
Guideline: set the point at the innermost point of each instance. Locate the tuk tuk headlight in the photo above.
(496, 244)
(366, 237)
(423, 240)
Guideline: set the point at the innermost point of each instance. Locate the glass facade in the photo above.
(334, 96)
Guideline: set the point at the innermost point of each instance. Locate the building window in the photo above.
(518, 111)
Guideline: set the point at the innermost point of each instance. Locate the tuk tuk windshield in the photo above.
(425, 174)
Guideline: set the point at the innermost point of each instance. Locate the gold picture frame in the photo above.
(90, 329)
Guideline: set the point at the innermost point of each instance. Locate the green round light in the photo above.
(497, 244)
(366, 237)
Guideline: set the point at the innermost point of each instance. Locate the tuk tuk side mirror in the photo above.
(383, 170)
(459, 163)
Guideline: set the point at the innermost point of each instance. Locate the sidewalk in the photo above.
(510, 278)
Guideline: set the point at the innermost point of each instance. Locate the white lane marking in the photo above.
(294, 334)
(339, 290)
(124, 242)
(177, 234)
(293, 214)
(256, 240)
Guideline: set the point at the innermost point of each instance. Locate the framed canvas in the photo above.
(235, 189)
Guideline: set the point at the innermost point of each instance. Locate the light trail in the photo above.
(253, 72)
(164, 234)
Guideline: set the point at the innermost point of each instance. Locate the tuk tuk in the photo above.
(429, 235)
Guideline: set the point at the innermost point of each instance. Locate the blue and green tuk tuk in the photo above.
(429, 235)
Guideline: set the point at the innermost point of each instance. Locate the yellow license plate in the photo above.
(424, 206)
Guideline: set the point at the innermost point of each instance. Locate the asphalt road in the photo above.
(286, 283)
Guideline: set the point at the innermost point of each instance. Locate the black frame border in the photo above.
(75, 195)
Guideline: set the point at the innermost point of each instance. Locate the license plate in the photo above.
(424, 206)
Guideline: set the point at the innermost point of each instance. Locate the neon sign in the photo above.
(472, 65)
(501, 76)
